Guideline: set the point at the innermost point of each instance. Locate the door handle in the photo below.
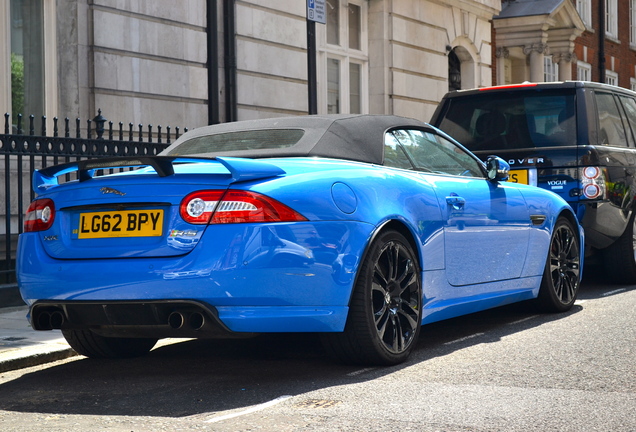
(456, 201)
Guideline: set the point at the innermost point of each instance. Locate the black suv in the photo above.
(577, 139)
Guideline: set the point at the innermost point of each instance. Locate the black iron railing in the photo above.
(21, 154)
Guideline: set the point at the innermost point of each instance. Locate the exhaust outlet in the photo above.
(196, 321)
(43, 321)
(56, 320)
(176, 320)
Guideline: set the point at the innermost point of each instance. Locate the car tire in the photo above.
(90, 344)
(385, 311)
(620, 257)
(562, 273)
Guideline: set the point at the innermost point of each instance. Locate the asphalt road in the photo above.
(508, 369)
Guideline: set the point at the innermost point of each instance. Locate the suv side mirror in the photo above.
(497, 168)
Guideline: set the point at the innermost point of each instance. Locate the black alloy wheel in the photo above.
(385, 312)
(562, 275)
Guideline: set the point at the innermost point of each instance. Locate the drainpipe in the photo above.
(601, 41)
(230, 60)
(213, 62)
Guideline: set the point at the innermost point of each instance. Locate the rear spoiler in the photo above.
(241, 169)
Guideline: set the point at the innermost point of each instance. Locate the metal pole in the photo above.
(231, 111)
(212, 29)
(601, 41)
(312, 81)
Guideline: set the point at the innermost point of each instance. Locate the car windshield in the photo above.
(263, 139)
(511, 120)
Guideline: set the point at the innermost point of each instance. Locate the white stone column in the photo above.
(502, 54)
(536, 52)
(565, 61)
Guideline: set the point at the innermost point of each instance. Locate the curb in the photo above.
(35, 359)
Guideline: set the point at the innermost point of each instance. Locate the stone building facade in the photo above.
(194, 62)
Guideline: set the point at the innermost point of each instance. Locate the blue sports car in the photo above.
(358, 227)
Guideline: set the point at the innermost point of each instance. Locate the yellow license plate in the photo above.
(127, 223)
(518, 176)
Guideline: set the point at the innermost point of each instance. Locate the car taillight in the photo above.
(234, 206)
(593, 183)
(39, 216)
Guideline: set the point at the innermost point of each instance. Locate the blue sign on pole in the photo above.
(316, 11)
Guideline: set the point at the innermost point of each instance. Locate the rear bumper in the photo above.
(180, 319)
(260, 284)
(602, 222)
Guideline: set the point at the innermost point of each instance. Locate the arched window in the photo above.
(454, 72)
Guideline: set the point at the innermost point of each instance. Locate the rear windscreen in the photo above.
(511, 120)
(264, 139)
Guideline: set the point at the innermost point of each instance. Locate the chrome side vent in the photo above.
(537, 219)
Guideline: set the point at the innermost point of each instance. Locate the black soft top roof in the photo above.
(344, 136)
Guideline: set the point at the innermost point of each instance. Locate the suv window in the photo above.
(630, 108)
(611, 130)
(428, 152)
(511, 120)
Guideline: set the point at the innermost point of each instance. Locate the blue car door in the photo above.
(486, 230)
(486, 224)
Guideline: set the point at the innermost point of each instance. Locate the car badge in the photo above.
(107, 190)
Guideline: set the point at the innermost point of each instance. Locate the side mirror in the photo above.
(497, 168)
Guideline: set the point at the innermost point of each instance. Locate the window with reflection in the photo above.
(27, 58)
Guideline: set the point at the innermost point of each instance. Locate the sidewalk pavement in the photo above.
(21, 346)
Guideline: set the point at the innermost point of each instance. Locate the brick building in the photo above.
(611, 58)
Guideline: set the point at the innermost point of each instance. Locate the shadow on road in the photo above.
(206, 376)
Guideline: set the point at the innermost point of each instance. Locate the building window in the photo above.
(343, 56)
(355, 87)
(632, 22)
(333, 86)
(550, 70)
(632, 84)
(29, 62)
(583, 71)
(27, 57)
(611, 18)
(611, 78)
(584, 8)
